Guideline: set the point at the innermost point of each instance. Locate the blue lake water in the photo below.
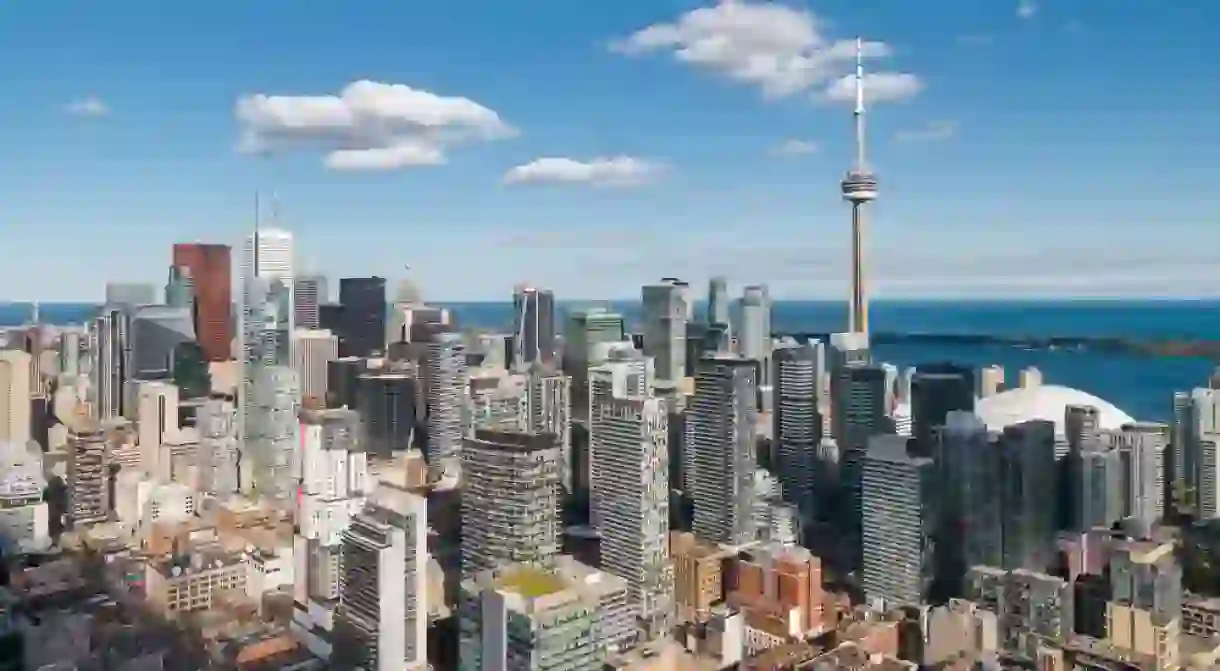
(1143, 386)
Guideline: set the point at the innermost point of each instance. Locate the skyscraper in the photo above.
(364, 316)
(218, 456)
(898, 496)
(14, 397)
(445, 390)
(718, 301)
(156, 332)
(1028, 488)
(108, 349)
(937, 390)
(859, 188)
(533, 326)
(387, 405)
(313, 350)
(585, 330)
(211, 284)
(667, 310)
(180, 290)
(796, 422)
(625, 374)
(309, 291)
(721, 424)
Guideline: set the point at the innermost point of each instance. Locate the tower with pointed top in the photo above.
(859, 187)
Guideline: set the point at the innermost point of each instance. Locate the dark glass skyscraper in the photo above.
(936, 390)
(309, 291)
(364, 314)
(533, 326)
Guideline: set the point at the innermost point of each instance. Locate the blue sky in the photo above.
(1059, 147)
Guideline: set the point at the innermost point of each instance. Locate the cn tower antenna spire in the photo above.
(859, 104)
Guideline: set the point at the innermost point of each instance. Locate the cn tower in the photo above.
(859, 187)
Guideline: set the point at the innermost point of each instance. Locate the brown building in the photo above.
(210, 266)
(781, 585)
(698, 576)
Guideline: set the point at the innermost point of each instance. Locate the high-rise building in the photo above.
(898, 494)
(313, 350)
(88, 479)
(936, 390)
(510, 500)
(1145, 606)
(14, 397)
(1144, 448)
(548, 409)
(156, 332)
(567, 617)
(1028, 495)
(1197, 424)
(266, 342)
(721, 425)
(533, 326)
(857, 391)
(157, 425)
(270, 445)
(968, 464)
(180, 290)
(666, 312)
(586, 329)
(218, 456)
(364, 316)
(754, 334)
(796, 423)
(718, 301)
(69, 353)
(387, 401)
(630, 438)
(131, 294)
(625, 374)
(381, 623)
(108, 352)
(211, 282)
(24, 515)
(1034, 610)
(310, 291)
(445, 377)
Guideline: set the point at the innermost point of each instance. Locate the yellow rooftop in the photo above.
(530, 582)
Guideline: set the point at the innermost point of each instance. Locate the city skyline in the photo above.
(1042, 126)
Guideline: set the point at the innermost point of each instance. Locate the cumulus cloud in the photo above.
(1026, 9)
(602, 171)
(91, 106)
(782, 50)
(794, 148)
(879, 87)
(933, 131)
(367, 126)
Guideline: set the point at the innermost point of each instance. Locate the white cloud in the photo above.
(794, 148)
(91, 106)
(782, 50)
(368, 126)
(879, 87)
(613, 171)
(1026, 9)
(933, 131)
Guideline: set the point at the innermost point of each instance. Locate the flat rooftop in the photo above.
(530, 582)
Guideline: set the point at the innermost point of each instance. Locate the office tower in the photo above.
(718, 301)
(1028, 489)
(567, 618)
(859, 188)
(936, 390)
(548, 407)
(69, 353)
(14, 397)
(796, 423)
(180, 289)
(218, 456)
(497, 399)
(364, 316)
(1145, 608)
(899, 518)
(310, 291)
(533, 326)
(1144, 449)
(387, 405)
(586, 329)
(445, 392)
(157, 424)
(754, 336)
(131, 294)
(211, 277)
(108, 349)
(313, 350)
(1183, 444)
(156, 332)
(266, 341)
(629, 459)
(988, 381)
(24, 516)
(381, 623)
(510, 500)
(1034, 610)
(342, 376)
(88, 463)
(270, 445)
(1200, 437)
(721, 425)
(1095, 489)
(666, 312)
(968, 465)
(857, 401)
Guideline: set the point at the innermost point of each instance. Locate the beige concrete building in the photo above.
(14, 397)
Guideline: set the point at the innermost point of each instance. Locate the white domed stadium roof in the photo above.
(1046, 402)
